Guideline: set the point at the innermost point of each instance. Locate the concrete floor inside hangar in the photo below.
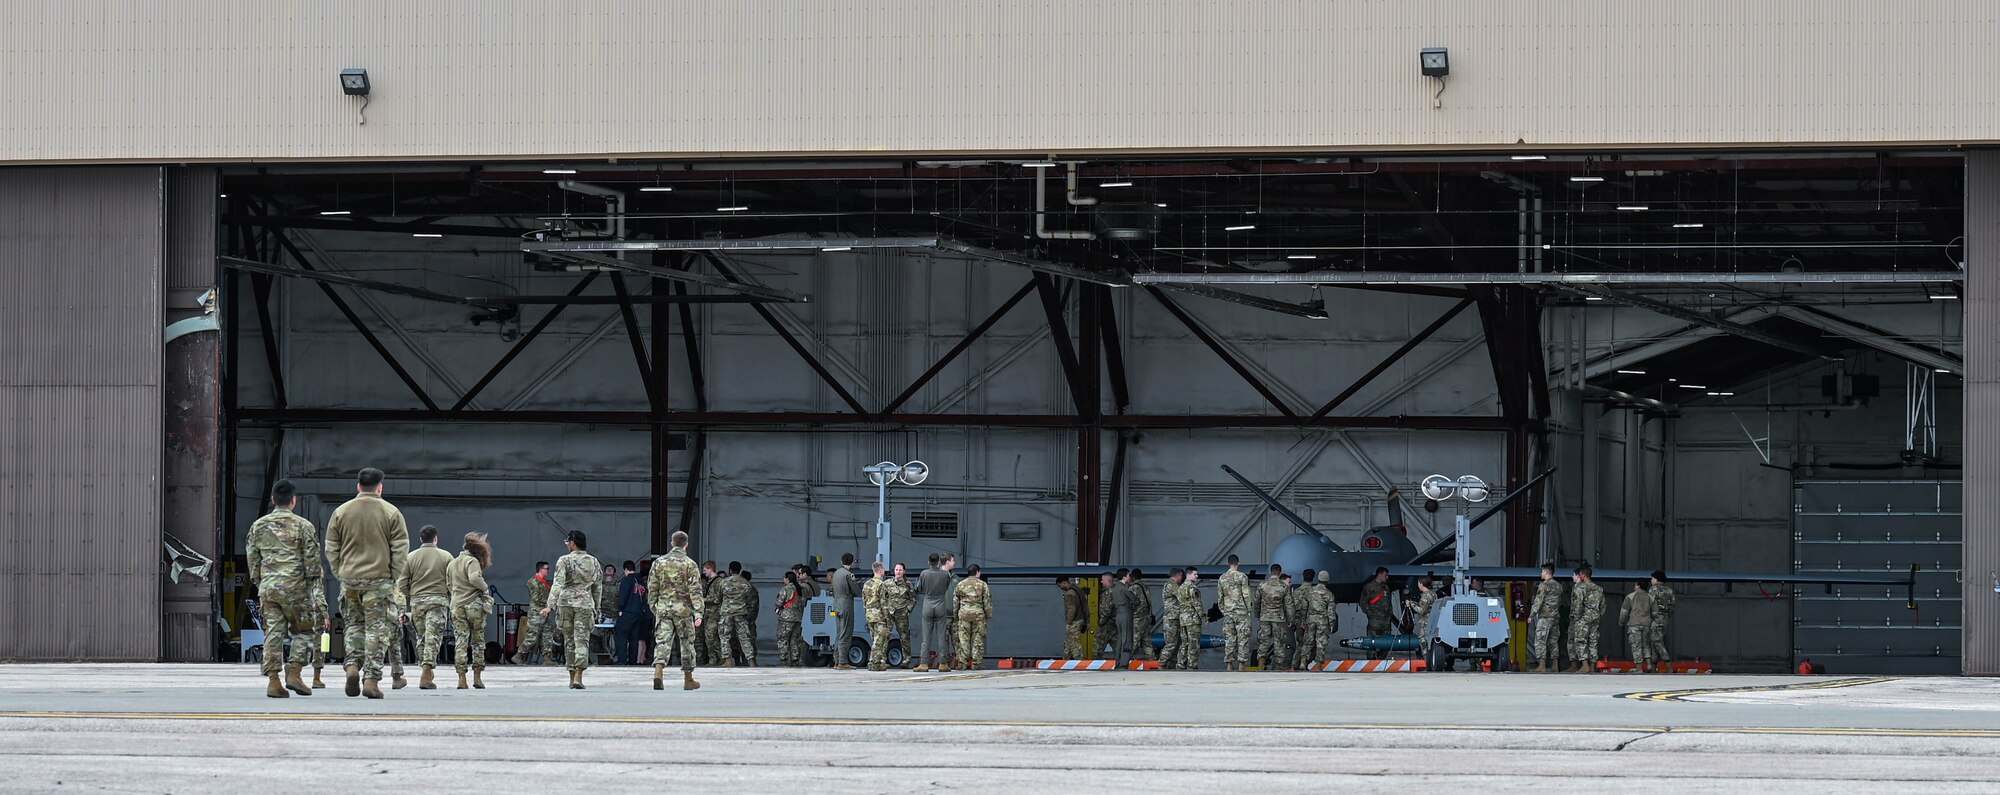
(180, 728)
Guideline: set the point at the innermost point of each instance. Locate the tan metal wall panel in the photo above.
(235, 80)
(1982, 412)
(80, 418)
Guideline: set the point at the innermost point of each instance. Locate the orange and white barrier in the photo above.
(1367, 666)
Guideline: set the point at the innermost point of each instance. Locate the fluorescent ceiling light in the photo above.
(1942, 370)
(1114, 184)
(1687, 226)
(657, 189)
(1593, 298)
(1632, 372)
(1239, 228)
(1673, 379)
(558, 171)
(425, 234)
(1633, 208)
(732, 209)
(1040, 164)
(333, 212)
(1302, 256)
(1531, 157)
(1692, 386)
(1722, 394)
(1944, 298)
(1160, 204)
(1586, 179)
(838, 248)
(225, 195)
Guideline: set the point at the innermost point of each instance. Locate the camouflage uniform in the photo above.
(1586, 612)
(1375, 606)
(1192, 620)
(1274, 607)
(574, 595)
(713, 651)
(607, 606)
(1072, 624)
(284, 562)
(367, 544)
(1318, 623)
(875, 603)
(399, 601)
(1142, 621)
(1420, 611)
(975, 608)
(470, 604)
(1107, 620)
(1545, 611)
(1663, 609)
(1635, 611)
(1170, 624)
(428, 586)
(673, 590)
(734, 606)
(1232, 592)
(902, 602)
(537, 631)
(791, 613)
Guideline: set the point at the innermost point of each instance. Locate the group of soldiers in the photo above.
(1296, 621)
(956, 613)
(1644, 614)
(384, 584)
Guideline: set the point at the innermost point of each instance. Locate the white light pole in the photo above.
(882, 475)
(1468, 489)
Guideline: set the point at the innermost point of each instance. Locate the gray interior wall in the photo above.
(773, 498)
(80, 412)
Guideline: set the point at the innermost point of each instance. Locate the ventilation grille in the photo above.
(1465, 614)
(818, 613)
(933, 524)
(1020, 531)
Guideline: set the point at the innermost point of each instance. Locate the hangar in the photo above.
(652, 267)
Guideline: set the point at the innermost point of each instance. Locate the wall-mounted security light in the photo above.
(354, 82)
(1436, 64)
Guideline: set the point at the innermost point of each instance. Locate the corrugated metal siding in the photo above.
(80, 413)
(125, 79)
(193, 398)
(1982, 412)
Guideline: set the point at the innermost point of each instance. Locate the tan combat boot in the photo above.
(660, 676)
(461, 680)
(397, 682)
(428, 681)
(477, 683)
(318, 683)
(293, 683)
(274, 689)
(372, 688)
(353, 681)
(688, 682)
(579, 679)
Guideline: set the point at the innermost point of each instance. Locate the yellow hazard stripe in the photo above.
(1682, 695)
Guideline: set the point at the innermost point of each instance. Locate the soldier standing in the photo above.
(1545, 611)
(1316, 603)
(429, 589)
(1142, 618)
(875, 603)
(608, 607)
(573, 595)
(1124, 610)
(975, 608)
(753, 603)
(951, 613)
(1274, 607)
(1635, 612)
(471, 603)
(735, 602)
(843, 591)
(1170, 620)
(1419, 611)
(537, 632)
(674, 590)
(1375, 605)
(902, 602)
(791, 612)
(711, 609)
(1663, 609)
(1232, 594)
(368, 545)
(1073, 619)
(1107, 618)
(934, 585)
(1586, 611)
(283, 551)
(1192, 620)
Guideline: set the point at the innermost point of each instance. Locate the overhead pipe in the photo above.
(617, 198)
(1042, 207)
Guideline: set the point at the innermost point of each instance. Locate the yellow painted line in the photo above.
(804, 721)
(1683, 695)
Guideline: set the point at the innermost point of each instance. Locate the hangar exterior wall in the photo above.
(1982, 401)
(80, 412)
(126, 80)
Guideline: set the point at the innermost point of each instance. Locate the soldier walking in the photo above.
(1073, 619)
(573, 596)
(1663, 609)
(843, 591)
(471, 602)
(791, 612)
(1545, 611)
(902, 602)
(1170, 620)
(1635, 612)
(429, 589)
(1586, 612)
(735, 608)
(1232, 594)
(283, 551)
(875, 603)
(674, 591)
(1274, 608)
(934, 585)
(368, 545)
(537, 631)
(1375, 604)
(975, 608)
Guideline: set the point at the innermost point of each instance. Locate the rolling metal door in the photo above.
(1856, 525)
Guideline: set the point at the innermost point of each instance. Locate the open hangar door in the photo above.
(720, 347)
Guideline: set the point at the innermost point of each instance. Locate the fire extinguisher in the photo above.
(508, 644)
(1517, 601)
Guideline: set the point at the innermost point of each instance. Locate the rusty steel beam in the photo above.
(638, 340)
(355, 319)
(1216, 346)
(1397, 356)
(959, 348)
(519, 345)
(790, 339)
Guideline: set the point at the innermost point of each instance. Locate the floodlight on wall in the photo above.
(354, 83)
(1436, 64)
